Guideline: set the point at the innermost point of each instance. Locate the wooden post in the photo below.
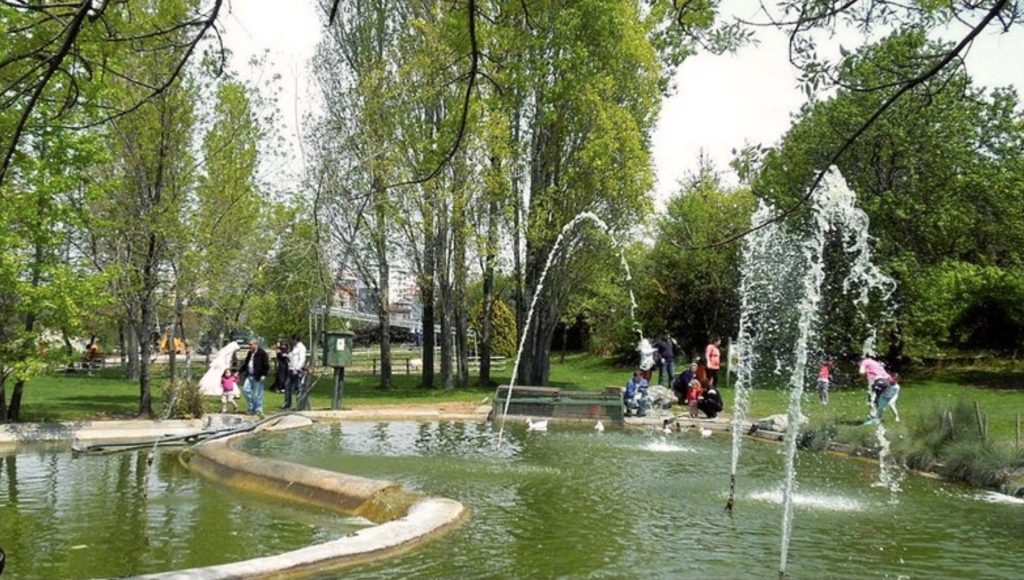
(407, 366)
(374, 371)
(1017, 438)
(981, 421)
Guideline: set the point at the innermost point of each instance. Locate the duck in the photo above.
(538, 426)
(666, 430)
(704, 432)
(599, 427)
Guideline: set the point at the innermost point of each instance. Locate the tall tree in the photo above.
(940, 174)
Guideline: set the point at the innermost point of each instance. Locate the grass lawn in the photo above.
(61, 397)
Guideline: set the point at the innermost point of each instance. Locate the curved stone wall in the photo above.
(405, 519)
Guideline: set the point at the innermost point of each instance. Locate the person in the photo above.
(824, 379)
(228, 384)
(713, 358)
(635, 396)
(693, 397)
(879, 384)
(646, 358)
(255, 368)
(280, 383)
(93, 358)
(666, 351)
(296, 371)
(682, 382)
(887, 399)
(711, 402)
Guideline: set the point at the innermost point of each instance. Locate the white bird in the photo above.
(705, 432)
(538, 426)
(599, 427)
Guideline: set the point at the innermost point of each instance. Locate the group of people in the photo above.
(291, 364)
(696, 387)
(883, 387)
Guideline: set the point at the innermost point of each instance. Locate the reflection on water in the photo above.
(65, 516)
(572, 503)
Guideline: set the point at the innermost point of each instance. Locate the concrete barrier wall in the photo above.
(405, 519)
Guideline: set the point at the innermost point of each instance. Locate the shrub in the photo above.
(186, 403)
(817, 439)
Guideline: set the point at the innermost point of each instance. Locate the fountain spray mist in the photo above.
(769, 255)
(540, 288)
(833, 207)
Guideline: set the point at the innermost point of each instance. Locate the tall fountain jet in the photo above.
(775, 262)
(580, 218)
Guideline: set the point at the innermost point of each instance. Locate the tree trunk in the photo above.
(132, 369)
(14, 409)
(3, 397)
(172, 353)
(445, 288)
(147, 303)
(486, 325)
(428, 295)
(384, 285)
(460, 318)
(121, 345)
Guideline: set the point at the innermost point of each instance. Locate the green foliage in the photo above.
(939, 175)
(686, 287)
(817, 439)
(503, 327)
(967, 305)
(294, 280)
(185, 402)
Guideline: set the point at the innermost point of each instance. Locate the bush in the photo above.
(186, 403)
(950, 440)
(817, 439)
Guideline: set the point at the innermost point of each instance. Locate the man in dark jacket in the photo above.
(666, 352)
(255, 369)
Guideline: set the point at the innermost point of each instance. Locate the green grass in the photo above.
(73, 397)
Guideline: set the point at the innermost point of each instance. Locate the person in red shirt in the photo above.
(825, 379)
(713, 357)
(693, 397)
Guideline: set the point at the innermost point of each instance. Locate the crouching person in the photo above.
(635, 397)
(711, 403)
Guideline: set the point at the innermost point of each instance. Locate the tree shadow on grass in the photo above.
(984, 379)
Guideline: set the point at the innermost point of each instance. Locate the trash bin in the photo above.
(338, 348)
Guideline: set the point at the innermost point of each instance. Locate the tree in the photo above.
(939, 175)
(64, 54)
(693, 292)
(44, 286)
(151, 176)
(590, 85)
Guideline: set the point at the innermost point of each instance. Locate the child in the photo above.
(228, 381)
(824, 379)
(635, 397)
(693, 397)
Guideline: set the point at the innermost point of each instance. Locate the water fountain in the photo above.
(833, 212)
(580, 218)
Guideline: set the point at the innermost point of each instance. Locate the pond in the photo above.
(572, 503)
(569, 503)
(87, 516)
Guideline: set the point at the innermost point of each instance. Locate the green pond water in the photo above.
(77, 516)
(572, 503)
(569, 503)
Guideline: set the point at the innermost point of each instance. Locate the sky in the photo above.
(721, 102)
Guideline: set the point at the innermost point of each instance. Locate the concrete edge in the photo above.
(421, 518)
(427, 518)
